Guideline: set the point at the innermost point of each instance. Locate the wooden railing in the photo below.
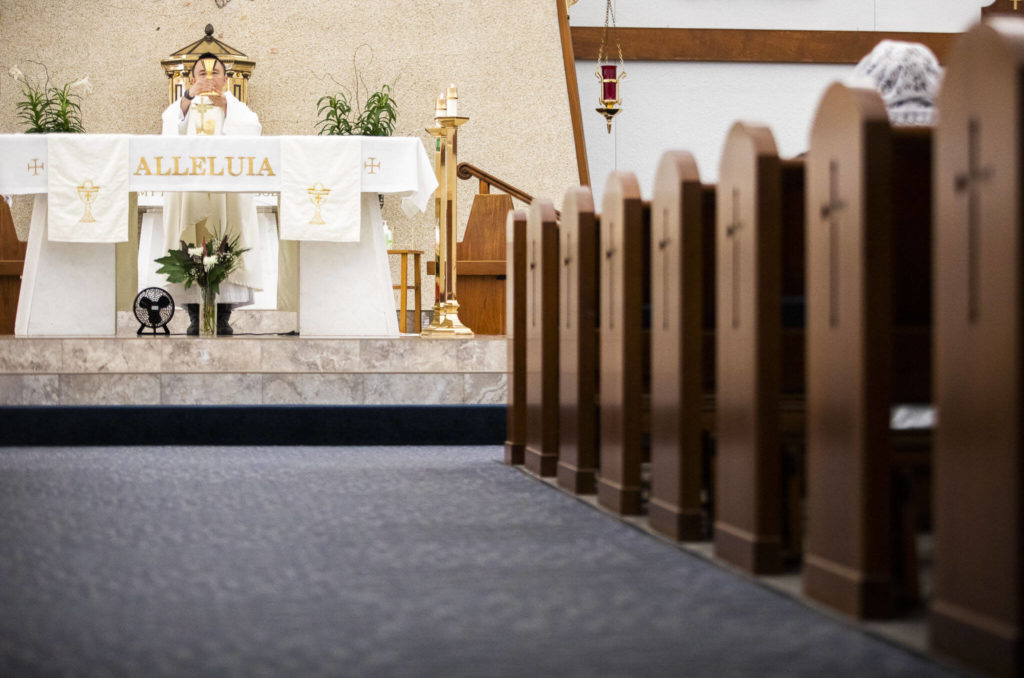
(488, 180)
(467, 171)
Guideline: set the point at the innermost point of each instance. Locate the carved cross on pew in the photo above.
(969, 182)
(533, 283)
(663, 246)
(568, 280)
(608, 254)
(732, 231)
(830, 211)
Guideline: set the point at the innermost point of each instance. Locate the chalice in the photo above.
(87, 194)
(317, 195)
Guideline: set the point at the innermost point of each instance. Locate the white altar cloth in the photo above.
(68, 289)
(390, 165)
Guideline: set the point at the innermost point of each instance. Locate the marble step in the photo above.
(257, 370)
(243, 321)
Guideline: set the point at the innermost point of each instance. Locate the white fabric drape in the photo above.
(330, 166)
(87, 188)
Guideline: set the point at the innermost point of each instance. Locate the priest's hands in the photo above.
(203, 85)
(219, 101)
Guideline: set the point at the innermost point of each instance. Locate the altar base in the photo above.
(250, 371)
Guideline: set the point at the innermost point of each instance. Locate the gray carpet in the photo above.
(368, 562)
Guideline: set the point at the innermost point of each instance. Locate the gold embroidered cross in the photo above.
(372, 165)
(35, 167)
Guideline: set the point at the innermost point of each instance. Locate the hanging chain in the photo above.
(609, 19)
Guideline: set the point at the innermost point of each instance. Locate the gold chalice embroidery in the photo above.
(204, 126)
(87, 194)
(318, 196)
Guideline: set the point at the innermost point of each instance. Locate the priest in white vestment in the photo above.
(231, 214)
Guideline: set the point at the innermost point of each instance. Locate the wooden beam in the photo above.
(748, 46)
(572, 87)
(1003, 7)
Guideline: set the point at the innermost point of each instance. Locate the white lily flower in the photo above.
(82, 84)
(195, 251)
(16, 73)
(209, 263)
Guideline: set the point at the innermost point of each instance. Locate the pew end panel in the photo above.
(578, 343)
(748, 257)
(624, 234)
(542, 338)
(515, 313)
(977, 609)
(850, 224)
(674, 508)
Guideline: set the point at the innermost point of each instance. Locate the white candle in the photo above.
(452, 101)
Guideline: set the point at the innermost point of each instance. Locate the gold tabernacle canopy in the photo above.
(178, 66)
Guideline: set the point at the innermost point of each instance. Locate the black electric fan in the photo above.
(153, 308)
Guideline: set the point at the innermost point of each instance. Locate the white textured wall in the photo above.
(505, 56)
(818, 15)
(692, 105)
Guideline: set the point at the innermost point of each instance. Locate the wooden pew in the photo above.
(12, 262)
(542, 271)
(674, 508)
(482, 265)
(977, 610)
(515, 314)
(625, 237)
(578, 343)
(760, 200)
(868, 340)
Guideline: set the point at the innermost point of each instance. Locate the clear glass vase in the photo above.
(207, 312)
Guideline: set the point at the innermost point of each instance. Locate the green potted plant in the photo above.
(45, 108)
(342, 114)
(377, 118)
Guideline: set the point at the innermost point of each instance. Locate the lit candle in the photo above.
(609, 86)
(440, 106)
(452, 102)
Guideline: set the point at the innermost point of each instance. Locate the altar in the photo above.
(70, 281)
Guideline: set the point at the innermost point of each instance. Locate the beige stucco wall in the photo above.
(505, 56)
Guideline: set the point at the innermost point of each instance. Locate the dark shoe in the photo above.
(193, 319)
(223, 315)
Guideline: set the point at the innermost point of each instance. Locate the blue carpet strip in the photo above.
(254, 425)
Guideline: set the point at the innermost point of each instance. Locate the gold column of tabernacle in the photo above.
(449, 324)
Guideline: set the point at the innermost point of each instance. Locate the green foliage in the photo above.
(44, 108)
(377, 118)
(332, 114)
(202, 265)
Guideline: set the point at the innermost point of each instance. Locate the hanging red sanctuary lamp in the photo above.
(608, 74)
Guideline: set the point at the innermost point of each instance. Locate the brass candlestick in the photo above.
(438, 315)
(449, 325)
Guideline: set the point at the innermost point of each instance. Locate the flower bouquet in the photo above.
(206, 266)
